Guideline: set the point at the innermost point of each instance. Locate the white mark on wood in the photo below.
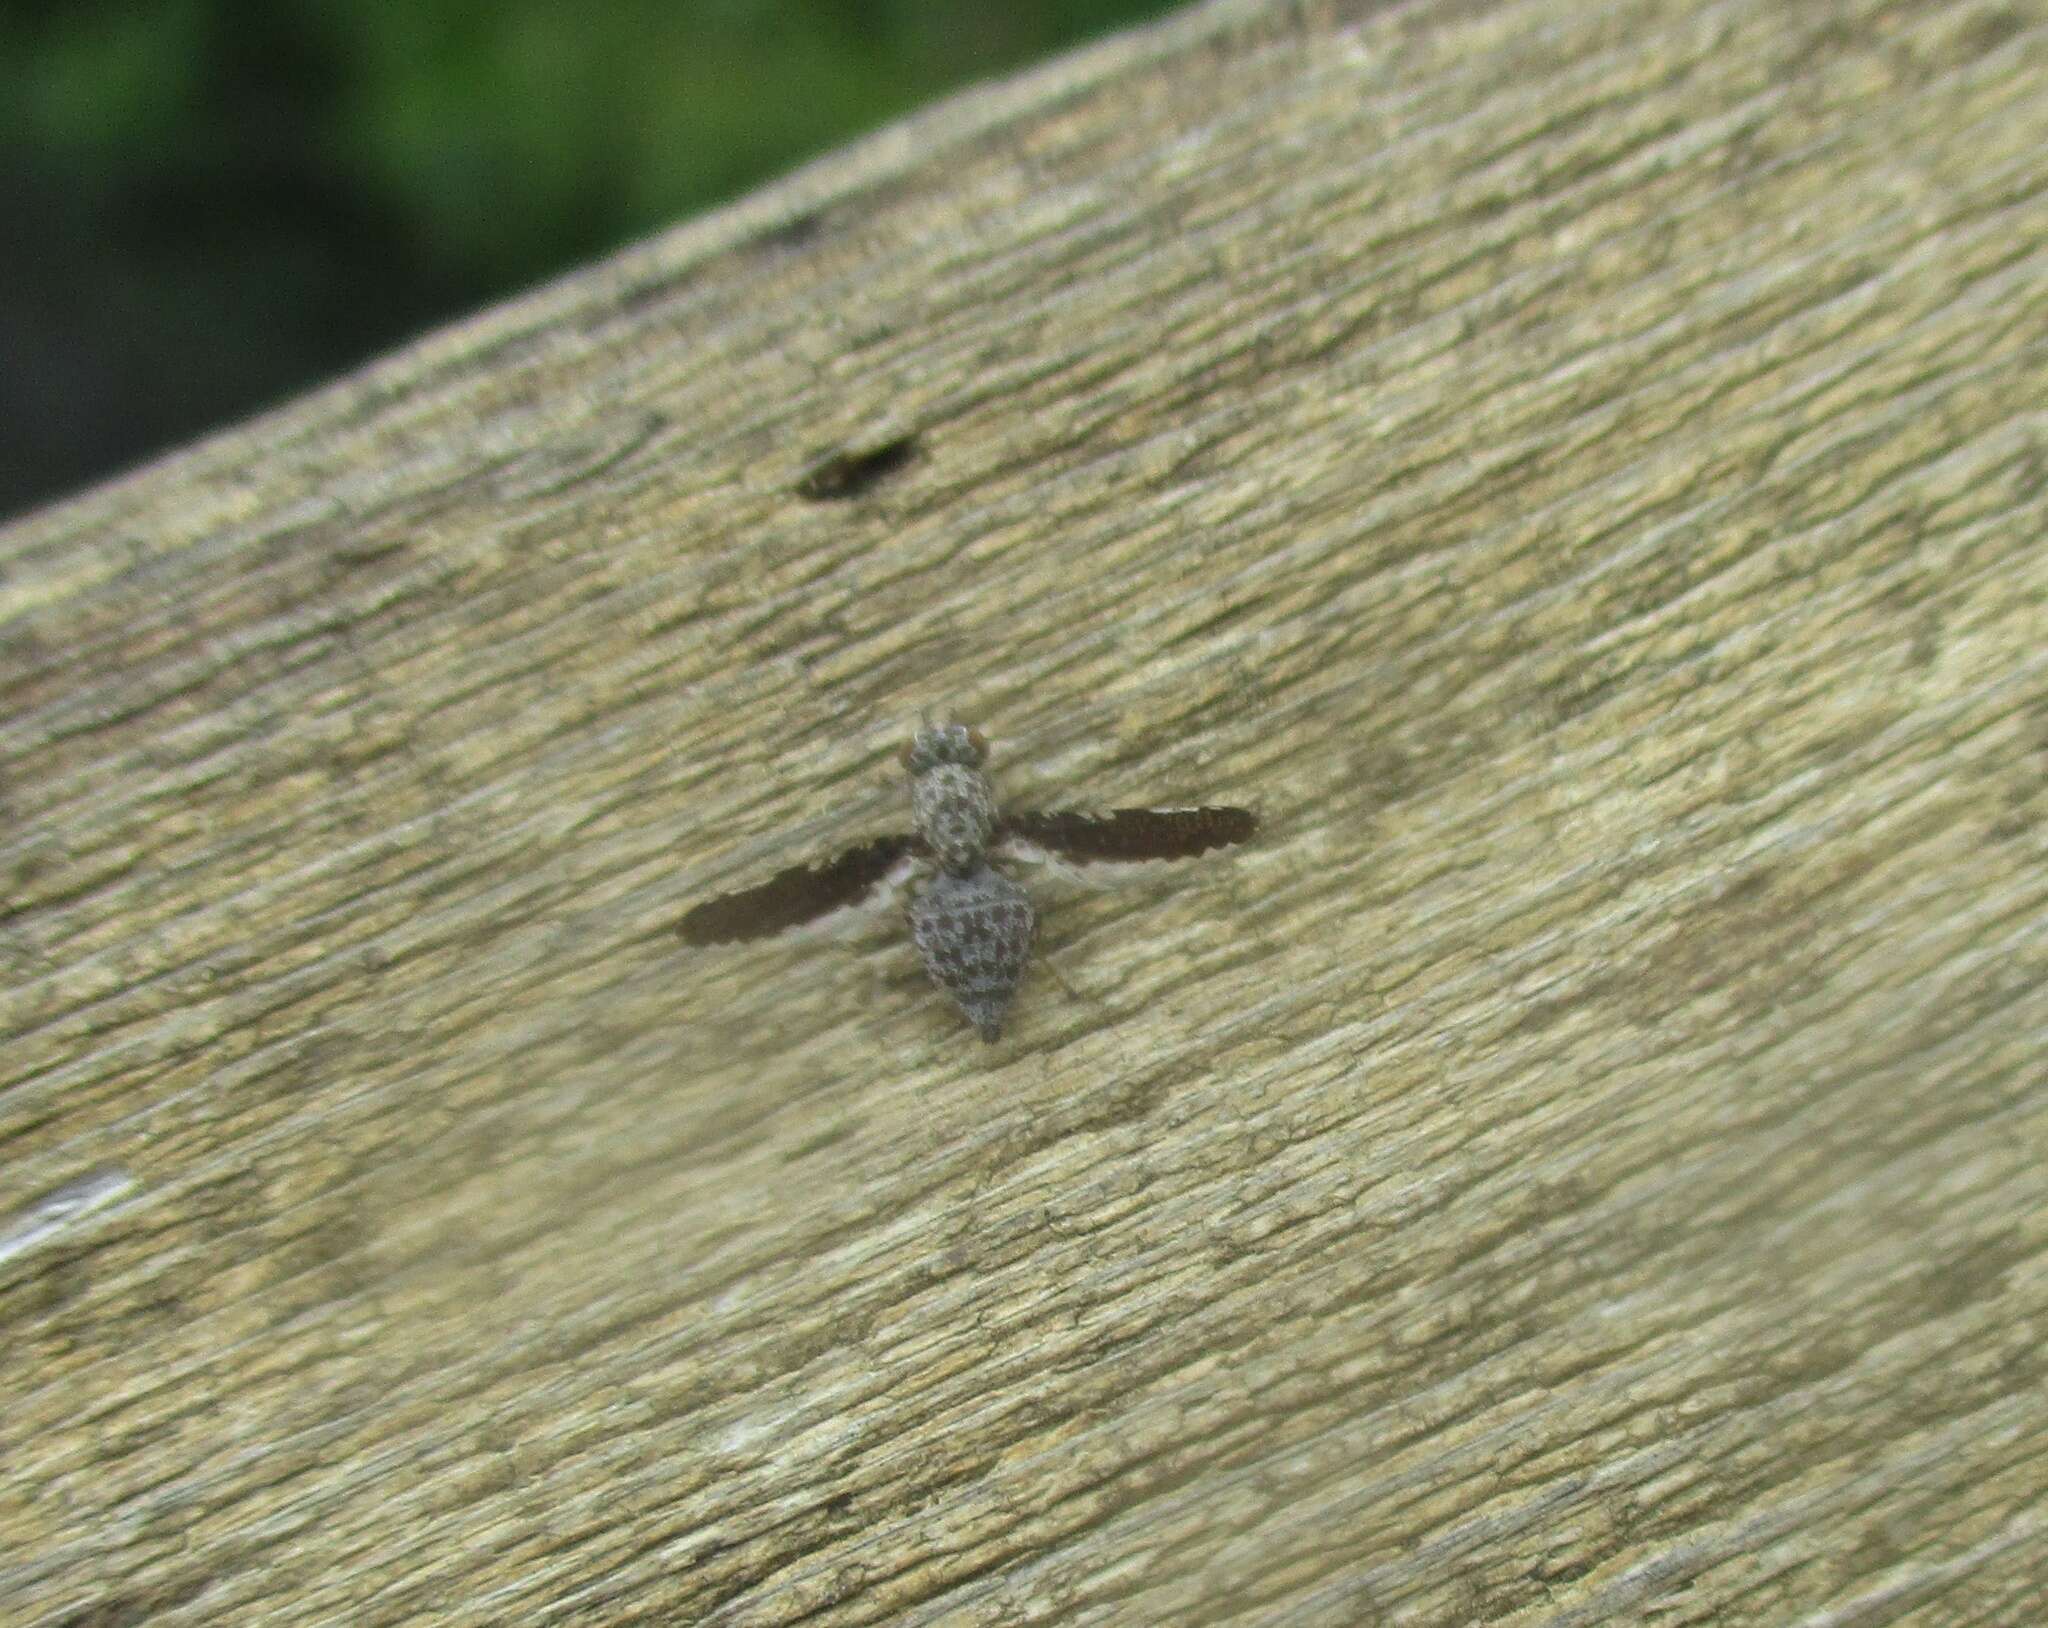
(37, 1224)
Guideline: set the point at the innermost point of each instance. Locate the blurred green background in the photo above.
(211, 204)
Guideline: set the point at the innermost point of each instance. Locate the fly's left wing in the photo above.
(1130, 834)
(797, 896)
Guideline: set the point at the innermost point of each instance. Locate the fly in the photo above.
(973, 926)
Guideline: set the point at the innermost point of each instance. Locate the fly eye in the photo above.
(979, 742)
(903, 756)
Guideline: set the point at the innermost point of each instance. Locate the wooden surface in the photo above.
(1581, 471)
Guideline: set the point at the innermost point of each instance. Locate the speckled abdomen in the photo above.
(974, 933)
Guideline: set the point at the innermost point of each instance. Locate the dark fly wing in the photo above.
(795, 897)
(1133, 833)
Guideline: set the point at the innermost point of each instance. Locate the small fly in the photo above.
(972, 925)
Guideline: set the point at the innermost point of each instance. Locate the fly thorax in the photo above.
(955, 811)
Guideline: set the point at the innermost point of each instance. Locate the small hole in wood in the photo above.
(797, 233)
(848, 473)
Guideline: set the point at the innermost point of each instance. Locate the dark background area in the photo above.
(212, 204)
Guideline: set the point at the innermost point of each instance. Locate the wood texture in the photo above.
(1581, 472)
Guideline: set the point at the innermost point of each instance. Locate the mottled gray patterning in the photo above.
(974, 933)
(971, 924)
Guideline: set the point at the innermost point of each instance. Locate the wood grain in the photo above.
(1580, 473)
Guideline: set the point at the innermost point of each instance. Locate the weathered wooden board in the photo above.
(1581, 471)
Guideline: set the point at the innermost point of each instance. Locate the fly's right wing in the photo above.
(798, 896)
(1131, 834)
